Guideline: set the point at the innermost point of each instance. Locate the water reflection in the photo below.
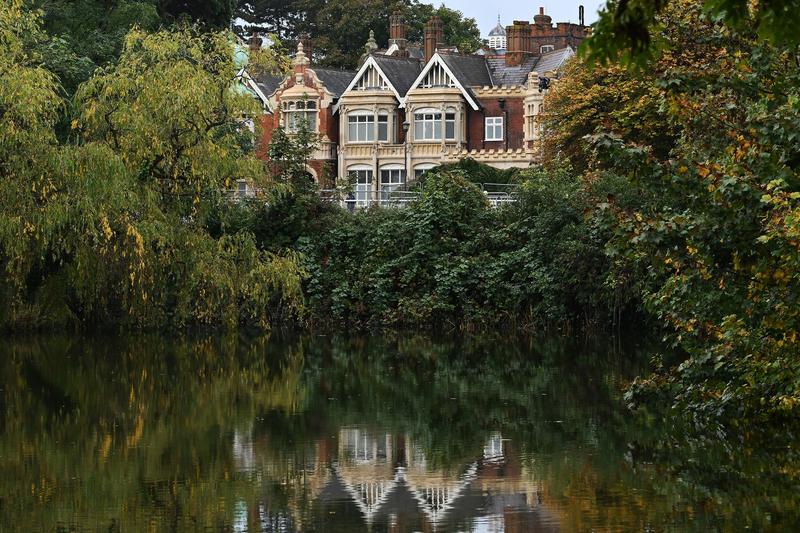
(342, 435)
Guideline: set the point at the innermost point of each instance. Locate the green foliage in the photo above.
(713, 233)
(451, 259)
(216, 14)
(630, 29)
(340, 29)
(110, 231)
(480, 173)
(185, 140)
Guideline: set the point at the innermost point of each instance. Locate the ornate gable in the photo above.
(371, 80)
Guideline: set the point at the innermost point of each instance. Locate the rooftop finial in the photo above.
(371, 45)
(300, 58)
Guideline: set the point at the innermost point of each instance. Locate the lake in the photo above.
(396, 432)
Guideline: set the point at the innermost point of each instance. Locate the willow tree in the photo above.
(112, 228)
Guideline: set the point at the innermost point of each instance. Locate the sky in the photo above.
(486, 11)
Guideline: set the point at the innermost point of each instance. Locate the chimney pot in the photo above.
(433, 36)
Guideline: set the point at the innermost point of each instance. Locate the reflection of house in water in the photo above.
(377, 481)
(389, 480)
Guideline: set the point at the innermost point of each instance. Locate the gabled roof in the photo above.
(466, 72)
(247, 83)
(554, 60)
(470, 70)
(400, 73)
(336, 81)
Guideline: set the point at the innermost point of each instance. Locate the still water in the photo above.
(398, 433)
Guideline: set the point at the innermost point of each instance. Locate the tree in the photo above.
(632, 28)
(185, 140)
(714, 234)
(281, 18)
(112, 227)
(340, 29)
(213, 13)
(608, 99)
(459, 31)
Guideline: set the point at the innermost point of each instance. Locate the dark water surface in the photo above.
(401, 433)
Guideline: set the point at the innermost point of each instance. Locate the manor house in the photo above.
(411, 107)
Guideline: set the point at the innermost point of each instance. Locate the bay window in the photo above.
(361, 128)
(297, 113)
(428, 125)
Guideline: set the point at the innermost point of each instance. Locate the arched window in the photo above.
(299, 112)
(392, 177)
(419, 170)
(362, 176)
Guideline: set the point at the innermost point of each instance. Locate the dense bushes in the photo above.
(451, 260)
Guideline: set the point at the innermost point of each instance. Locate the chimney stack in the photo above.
(543, 20)
(397, 33)
(519, 43)
(433, 37)
(581, 18)
(308, 45)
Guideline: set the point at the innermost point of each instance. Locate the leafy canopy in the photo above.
(631, 28)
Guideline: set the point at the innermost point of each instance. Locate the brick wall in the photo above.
(514, 124)
(559, 36)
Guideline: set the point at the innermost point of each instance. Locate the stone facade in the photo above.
(405, 112)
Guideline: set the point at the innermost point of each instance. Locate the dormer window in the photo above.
(298, 112)
(546, 48)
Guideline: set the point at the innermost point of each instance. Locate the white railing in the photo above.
(366, 199)
(497, 194)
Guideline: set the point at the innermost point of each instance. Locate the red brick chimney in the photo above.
(397, 33)
(543, 20)
(433, 36)
(519, 43)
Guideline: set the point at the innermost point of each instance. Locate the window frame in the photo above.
(396, 178)
(364, 122)
(427, 127)
(382, 127)
(491, 124)
(293, 112)
(364, 184)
